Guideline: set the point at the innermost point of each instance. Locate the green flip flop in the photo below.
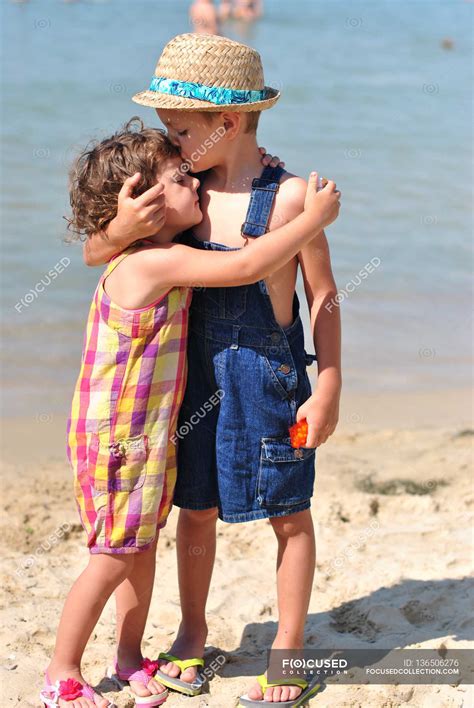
(308, 690)
(176, 684)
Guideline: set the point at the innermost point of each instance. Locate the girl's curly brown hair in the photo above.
(98, 174)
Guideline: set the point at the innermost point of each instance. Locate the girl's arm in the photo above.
(137, 218)
(176, 264)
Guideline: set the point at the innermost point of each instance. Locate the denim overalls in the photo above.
(246, 379)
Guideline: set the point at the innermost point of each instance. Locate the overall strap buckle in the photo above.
(262, 197)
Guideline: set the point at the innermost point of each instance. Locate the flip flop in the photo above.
(309, 690)
(143, 675)
(67, 690)
(189, 689)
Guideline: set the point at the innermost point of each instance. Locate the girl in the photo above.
(121, 430)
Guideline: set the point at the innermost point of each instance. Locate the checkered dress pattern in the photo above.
(123, 417)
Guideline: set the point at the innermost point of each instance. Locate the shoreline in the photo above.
(43, 436)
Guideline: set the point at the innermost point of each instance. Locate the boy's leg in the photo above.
(295, 571)
(196, 494)
(196, 548)
(132, 598)
(81, 612)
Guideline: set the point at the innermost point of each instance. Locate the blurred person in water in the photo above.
(203, 17)
(225, 10)
(247, 10)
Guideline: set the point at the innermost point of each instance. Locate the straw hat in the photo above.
(199, 72)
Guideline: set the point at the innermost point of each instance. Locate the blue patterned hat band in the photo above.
(212, 94)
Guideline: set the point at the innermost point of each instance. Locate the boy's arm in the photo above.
(322, 409)
(176, 264)
(98, 250)
(136, 218)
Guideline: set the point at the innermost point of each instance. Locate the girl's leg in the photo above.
(81, 612)
(196, 548)
(133, 597)
(295, 571)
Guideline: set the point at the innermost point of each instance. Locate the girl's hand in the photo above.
(137, 217)
(321, 411)
(269, 160)
(322, 203)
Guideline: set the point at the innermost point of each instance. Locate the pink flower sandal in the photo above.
(67, 690)
(143, 675)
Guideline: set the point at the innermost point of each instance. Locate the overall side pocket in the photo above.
(286, 475)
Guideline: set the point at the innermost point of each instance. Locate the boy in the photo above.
(237, 462)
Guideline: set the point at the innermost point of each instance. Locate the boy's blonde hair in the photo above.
(98, 174)
(251, 118)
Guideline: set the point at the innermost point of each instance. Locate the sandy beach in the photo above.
(393, 513)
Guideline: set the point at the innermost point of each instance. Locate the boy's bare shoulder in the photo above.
(291, 195)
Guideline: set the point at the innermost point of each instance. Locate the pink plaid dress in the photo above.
(123, 417)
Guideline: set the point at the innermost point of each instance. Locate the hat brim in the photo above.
(154, 99)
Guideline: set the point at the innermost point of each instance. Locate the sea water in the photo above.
(370, 98)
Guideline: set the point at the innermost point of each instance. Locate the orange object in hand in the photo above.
(299, 433)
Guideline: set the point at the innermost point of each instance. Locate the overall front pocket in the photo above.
(118, 466)
(286, 475)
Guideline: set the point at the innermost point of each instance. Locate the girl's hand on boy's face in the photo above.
(137, 217)
(269, 160)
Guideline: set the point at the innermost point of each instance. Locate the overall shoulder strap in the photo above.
(264, 189)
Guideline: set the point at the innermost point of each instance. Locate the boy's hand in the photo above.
(137, 217)
(323, 203)
(321, 411)
(269, 160)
